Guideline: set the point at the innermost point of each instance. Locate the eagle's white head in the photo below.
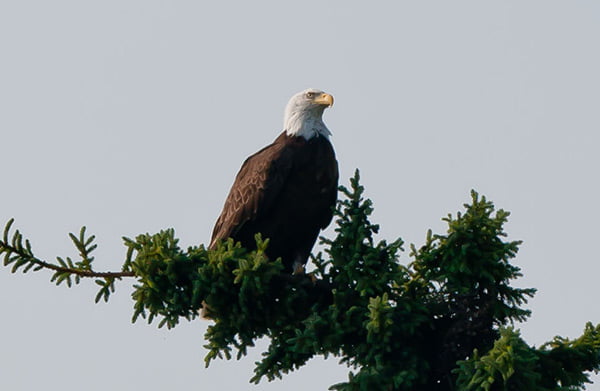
(304, 114)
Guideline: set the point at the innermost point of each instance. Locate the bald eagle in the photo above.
(287, 190)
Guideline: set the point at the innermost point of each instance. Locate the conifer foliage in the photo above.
(443, 321)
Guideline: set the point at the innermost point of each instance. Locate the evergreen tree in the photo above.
(442, 322)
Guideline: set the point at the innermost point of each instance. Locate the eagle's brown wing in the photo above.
(256, 186)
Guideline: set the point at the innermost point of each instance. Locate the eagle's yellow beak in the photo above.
(324, 99)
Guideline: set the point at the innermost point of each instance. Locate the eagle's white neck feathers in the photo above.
(304, 114)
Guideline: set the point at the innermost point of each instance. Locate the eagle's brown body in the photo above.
(286, 191)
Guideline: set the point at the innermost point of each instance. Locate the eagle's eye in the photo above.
(310, 95)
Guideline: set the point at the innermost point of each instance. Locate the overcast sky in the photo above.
(134, 116)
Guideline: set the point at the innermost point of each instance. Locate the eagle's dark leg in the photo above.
(298, 264)
(300, 255)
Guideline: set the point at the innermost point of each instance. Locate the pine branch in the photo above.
(17, 252)
(438, 323)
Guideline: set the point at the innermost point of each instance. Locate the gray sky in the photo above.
(133, 116)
